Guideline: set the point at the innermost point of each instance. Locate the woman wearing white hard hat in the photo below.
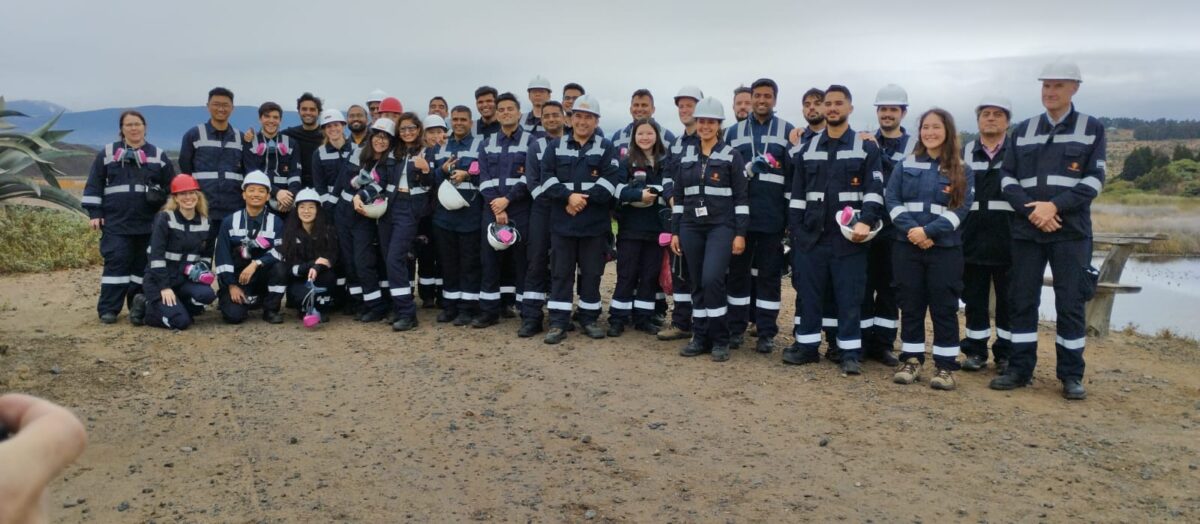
(246, 251)
(310, 253)
(641, 220)
(928, 195)
(435, 131)
(710, 214)
(365, 189)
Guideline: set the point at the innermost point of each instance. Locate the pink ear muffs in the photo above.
(505, 235)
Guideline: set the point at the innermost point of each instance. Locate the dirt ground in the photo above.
(263, 423)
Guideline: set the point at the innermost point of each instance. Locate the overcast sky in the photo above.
(1138, 59)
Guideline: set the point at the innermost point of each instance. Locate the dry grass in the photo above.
(36, 239)
(1176, 217)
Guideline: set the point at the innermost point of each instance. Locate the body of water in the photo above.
(1170, 296)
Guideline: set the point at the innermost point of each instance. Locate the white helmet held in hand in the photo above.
(449, 196)
(501, 237)
(848, 217)
(375, 209)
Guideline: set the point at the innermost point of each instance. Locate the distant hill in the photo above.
(166, 124)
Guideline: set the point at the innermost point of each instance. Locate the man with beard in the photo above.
(356, 119)
(812, 114)
(308, 134)
(836, 169)
(742, 103)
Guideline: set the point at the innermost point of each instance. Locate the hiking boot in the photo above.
(798, 355)
(720, 353)
(137, 310)
(1072, 389)
(1007, 382)
(404, 324)
(462, 319)
(593, 330)
(508, 311)
(694, 348)
(615, 329)
(736, 339)
(529, 328)
(908, 372)
(374, 315)
(647, 327)
(851, 366)
(674, 333)
(555, 336)
(484, 321)
(765, 345)
(446, 316)
(273, 317)
(974, 363)
(943, 380)
(108, 318)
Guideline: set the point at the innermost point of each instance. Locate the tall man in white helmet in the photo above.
(1050, 177)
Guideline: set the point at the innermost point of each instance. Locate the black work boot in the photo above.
(1007, 382)
(694, 348)
(1072, 389)
(529, 328)
(137, 310)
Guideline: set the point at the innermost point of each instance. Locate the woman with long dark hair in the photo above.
(928, 196)
(125, 188)
(639, 224)
(375, 165)
(310, 251)
(407, 192)
(710, 214)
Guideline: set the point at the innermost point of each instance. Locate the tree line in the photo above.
(1161, 129)
(1175, 174)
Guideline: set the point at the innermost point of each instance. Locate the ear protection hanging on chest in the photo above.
(271, 146)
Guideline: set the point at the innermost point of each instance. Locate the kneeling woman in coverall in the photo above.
(310, 250)
(178, 276)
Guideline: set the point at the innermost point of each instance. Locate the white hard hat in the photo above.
(500, 237)
(692, 92)
(432, 121)
(709, 108)
(330, 116)
(386, 125)
(847, 226)
(256, 177)
(375, 209)
(587, 104)
(449, 196)
(891, 95)
(1061, 71)
(995, 101)
(307, 194)
(539, 82)
(376, 96)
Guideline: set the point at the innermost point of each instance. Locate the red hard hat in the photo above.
(183, 183)
(391, 105)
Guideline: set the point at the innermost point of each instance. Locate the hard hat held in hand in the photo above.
(449, 196)
(501, 237)
(848, 217)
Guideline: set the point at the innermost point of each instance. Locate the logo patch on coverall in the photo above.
(1074, 166)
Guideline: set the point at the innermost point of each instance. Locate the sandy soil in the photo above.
(349, 422)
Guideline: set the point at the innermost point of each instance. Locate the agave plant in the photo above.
(19, 150)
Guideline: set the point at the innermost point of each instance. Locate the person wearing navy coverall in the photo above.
(928, 196)
(1052, 173)
(579, 172)
(754, 276)
(710, 212)
(244, 272)
(275, 154)
(407, 192)
(835, 169)
(212, 153)
(505, 192)
(457, 232)
(537, 253)
(485, 103)
(178, 239)
(115, 198)
(987, 244)
(640, 221)
(329, 162)
(684, 145)
(880, 313)
(367, 272)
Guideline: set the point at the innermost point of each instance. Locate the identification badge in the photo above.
(702, 211)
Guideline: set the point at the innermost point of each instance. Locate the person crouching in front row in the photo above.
(246, 251)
